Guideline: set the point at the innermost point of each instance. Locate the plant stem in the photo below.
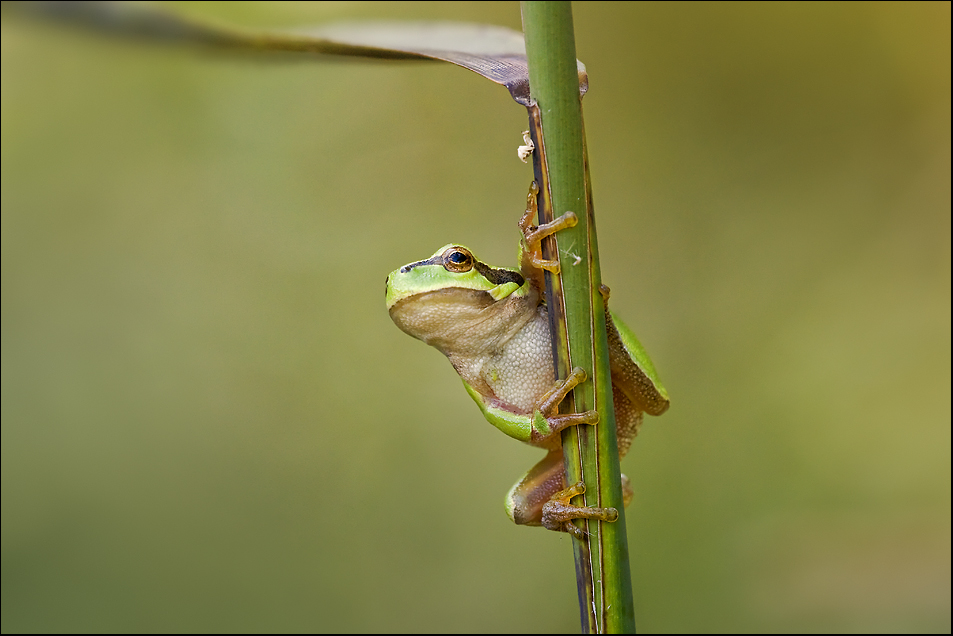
(577, 312)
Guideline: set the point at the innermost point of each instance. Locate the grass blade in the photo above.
(577, 311)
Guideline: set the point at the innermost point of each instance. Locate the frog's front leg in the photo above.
(544, 424)
(533, 235)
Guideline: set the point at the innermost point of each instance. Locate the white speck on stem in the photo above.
(523, 152)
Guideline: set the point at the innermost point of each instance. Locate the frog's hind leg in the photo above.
(539, 499)
(628, 419)
(525, 500)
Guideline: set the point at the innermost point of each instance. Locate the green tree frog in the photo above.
(492, 324)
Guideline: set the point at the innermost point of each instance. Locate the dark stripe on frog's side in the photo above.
(498, 276)
(495, 276)
(433, 260)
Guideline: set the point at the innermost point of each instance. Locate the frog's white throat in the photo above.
(463, 322)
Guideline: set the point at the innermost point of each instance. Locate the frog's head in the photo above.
(440, 299)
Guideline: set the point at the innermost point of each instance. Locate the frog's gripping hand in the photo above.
(531, 252)
(547, 422)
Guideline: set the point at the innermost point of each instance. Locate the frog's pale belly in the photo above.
(522, 371)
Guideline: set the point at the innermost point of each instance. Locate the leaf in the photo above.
(494, 52)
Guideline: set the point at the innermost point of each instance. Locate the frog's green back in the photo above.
(640, 357)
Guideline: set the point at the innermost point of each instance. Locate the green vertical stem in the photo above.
(577, 312)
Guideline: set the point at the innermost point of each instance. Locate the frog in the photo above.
(492, 324)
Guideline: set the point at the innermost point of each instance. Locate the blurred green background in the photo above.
(209, 421)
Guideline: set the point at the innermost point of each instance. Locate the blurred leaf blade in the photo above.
(494, 52)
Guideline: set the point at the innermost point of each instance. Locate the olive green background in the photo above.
(210, 423)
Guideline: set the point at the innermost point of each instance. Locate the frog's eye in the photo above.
(457, 260)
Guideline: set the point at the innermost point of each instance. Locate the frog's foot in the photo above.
(538, 499)
(547, 422)
(533, 235)
(558, 513)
